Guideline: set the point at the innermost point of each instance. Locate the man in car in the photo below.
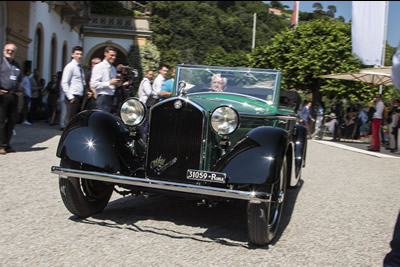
(218, 83)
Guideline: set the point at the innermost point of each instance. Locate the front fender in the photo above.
(98, 139)
(256, 158)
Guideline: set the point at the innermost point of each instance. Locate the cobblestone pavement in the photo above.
(343, 214)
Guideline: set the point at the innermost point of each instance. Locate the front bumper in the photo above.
(253, 197)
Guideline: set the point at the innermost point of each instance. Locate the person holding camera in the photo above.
(121, 92)
(104, 80)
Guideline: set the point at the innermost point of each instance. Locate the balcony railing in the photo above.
(119, 22)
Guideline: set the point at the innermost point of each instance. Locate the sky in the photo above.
(343, 8)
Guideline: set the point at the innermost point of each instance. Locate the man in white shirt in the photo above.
(376, 123)
(26, 86)
(73, 83)
(145, 88)
(160, 79)
(104, 80)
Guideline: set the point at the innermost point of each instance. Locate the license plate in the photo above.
(214, 177)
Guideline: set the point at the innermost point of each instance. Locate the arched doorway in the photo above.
(38, 49)
(53, 56)
(98, 51)
(64, 55)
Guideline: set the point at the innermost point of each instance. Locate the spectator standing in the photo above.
(394, 115)
(36, 89)
(159, 80)
(53, 92)
(145, 88)
(63, 110)
(145, 91)
(73, 83)
(10, 90)
(89, 96)
(305, 116)
(339, 113)
(26, 86)
(44, 100)
(320, 114)
(376, 123)
(168, 86)
(104, 80)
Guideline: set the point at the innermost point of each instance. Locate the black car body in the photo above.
(239, 142)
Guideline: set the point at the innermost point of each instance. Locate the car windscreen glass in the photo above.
(252, 82)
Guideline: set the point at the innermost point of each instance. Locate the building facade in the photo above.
(46, 31)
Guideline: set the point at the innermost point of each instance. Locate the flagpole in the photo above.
(254, 31)
(384, 39)
(385, 33)
(295, 15)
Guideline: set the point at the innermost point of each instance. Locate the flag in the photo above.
(368, 30)
(295, 16)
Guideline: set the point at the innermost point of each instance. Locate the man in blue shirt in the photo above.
(167, 87)
(305, 115)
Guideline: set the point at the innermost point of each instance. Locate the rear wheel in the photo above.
(263, 219)
(83, 197)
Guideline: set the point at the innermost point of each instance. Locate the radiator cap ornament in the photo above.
(178, 104)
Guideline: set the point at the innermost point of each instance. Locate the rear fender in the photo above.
(300, 140)
(256, 158)
(99, 139)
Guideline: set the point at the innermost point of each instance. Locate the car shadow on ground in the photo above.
(27, 137)
(224, 223)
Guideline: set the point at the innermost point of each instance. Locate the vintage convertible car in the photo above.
(224, 134)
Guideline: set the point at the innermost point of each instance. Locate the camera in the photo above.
(128, 74)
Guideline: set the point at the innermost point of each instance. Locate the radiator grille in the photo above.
(174, 134)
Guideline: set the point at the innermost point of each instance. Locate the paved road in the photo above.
(342, 215)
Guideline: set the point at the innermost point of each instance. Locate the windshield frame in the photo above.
(219, 69)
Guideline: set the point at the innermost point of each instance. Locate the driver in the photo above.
(218, 83)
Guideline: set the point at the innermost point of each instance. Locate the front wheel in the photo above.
(83, 197)
(263, 219)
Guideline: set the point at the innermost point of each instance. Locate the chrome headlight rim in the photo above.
(141, 107)
(237, 120)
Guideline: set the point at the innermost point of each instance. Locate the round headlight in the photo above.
(133, 112)
(224, 120)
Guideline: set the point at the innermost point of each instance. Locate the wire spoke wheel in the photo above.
(263, 219)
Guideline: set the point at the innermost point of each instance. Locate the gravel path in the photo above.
(343, 214)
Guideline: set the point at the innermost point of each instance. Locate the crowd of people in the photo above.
(375, 121)
(104, 87)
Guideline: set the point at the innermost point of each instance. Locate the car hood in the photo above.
(242, 103)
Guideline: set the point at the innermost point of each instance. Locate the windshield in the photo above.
(257, 83)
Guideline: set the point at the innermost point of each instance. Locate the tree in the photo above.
(276, 4)
(143, 58)
(188, 32)
(109, 8)
(331, 11)
(314, 48)
(317, 6)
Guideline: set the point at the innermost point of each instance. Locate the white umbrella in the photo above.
(371, 76)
